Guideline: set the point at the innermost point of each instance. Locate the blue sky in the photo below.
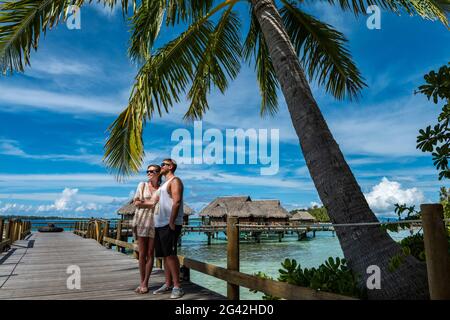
(53, 120)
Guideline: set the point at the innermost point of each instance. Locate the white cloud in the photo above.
(63, 203)
(12, 148)
(68, 203)
(60, 66)
(106, 11)
(13, 97)
(387, 193)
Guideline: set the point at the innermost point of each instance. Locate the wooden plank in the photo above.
(105, 274)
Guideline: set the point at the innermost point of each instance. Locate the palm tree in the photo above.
(288, 47)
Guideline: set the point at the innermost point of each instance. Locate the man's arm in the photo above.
(176, 190)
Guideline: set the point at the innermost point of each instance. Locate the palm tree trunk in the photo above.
(333, 179)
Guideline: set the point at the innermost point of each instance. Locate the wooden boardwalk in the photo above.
(36, 268)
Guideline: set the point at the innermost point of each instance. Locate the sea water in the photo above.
(265, 256)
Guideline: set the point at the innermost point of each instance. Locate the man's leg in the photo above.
(160, 238)
(173, 265)
(167, 272)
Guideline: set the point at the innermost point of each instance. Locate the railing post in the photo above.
(436, 251)
(97, 230)
(185, 273)
(119, 233)
(1, 229)
(232, 254)
(105, 231)
(8, 230)
(15, 231)
(19, 236)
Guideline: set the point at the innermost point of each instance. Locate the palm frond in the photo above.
(187, 11)
(125, 4)
(428, 9)
(220, 61)
(255, 48)
(322, 52)
(158, 85)
(124, 150)
(146, 24)
(21, 23)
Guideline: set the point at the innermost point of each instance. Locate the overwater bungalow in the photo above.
(127, 211)
(301, 217)
(248, 211)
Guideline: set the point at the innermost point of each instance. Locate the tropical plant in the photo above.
(437, 139)
(331, 276)
(414, 244)
(287, 46)
(444, 198)
(320, 213)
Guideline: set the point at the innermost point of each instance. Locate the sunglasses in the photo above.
(152, 171)
(165, 164)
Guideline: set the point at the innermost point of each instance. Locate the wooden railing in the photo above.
(102, 232)
(109, 233)
(12, 230)
(436, 252)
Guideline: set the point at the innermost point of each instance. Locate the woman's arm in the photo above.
(149, 204)
(138, 194)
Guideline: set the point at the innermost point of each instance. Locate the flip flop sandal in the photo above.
(143, 290)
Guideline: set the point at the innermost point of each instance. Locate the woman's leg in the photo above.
(142, 247)
(150, 258)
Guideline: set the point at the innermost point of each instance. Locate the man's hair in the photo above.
(172, 162)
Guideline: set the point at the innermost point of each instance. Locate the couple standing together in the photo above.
(157, 224)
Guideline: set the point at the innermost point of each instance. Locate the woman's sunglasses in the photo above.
(152, 171)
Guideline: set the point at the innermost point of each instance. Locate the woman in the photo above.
(143, 225)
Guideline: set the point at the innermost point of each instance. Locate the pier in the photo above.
(38, 267)
(35, 265)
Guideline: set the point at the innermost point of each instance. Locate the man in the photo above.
(168, 224)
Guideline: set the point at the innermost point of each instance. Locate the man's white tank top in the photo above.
(165, 208)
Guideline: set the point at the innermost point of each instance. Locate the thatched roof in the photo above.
(220, 206)
(187, 210)
(244, 207)
(302, 216)
(129, 208)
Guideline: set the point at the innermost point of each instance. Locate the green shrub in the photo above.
(332, 276)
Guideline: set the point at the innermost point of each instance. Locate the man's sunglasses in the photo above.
(165, 164)
(152, 171)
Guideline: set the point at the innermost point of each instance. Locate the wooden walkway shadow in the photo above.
(36, 268)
